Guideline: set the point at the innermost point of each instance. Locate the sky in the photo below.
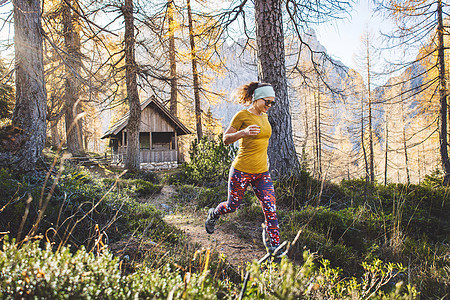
(341, 38)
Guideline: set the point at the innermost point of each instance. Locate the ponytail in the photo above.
(245, 92)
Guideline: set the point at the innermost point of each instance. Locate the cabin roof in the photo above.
(160, 108)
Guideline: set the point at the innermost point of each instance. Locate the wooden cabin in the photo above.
(158, 136)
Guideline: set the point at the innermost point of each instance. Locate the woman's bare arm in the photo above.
(231, 135)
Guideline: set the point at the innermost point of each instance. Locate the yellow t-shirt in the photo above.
(252, 154)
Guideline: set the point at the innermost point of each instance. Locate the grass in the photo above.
(346, 233)
(92, 214)
(404, 224)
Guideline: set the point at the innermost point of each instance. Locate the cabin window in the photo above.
(144, 140)
(162, 140)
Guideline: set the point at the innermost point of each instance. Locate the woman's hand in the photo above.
(231, 135)
(252, 130)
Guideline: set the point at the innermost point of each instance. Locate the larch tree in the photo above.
(172, 58)
(308, 93)
(54, 76)
(366, 60)
(443, 95)
(198, 52)
(321, 121)
(29, 116)
(405, 145)
(74, 70)
(386, 147)
(363, 140)
(318, 132)
(418, 23)
(72, 87)
(133, 152)
(195, 75)
(6, 93)
(168, 39)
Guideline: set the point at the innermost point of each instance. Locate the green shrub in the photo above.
(407, 224)
(205, 197)
(187, 193)
(79, 205)
(142, 175)
(290, 281)
(251, 210)
(31, 272)
(210, 197)
(300, 190)
(140, 187)
(434, 179)
(176, 178)
(145, 188)
(210, 161)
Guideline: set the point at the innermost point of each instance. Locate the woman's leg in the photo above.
(263, 187)
(237, 184)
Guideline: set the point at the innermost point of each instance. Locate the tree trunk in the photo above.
(369, 98)
(56, 139)
(172, 59)
(198, 111)
(443, 98)
(133, 155)
(363, 146)
(386, 150)
(271, 68)
(315, 147)
(304, 158)
(72, 105)
(371, 154)
(318, 134)
(405, 148)
(29, 116)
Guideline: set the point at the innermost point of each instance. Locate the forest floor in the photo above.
(238, 240)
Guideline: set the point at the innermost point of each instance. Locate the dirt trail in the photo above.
(224, 240)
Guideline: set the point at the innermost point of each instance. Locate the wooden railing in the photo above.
(149, 156)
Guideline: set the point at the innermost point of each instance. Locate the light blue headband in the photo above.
(263, 92)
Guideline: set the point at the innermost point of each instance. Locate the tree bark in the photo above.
(72, 105)
(56, 139)
(133, 152)
(368, 59)
(29, 115)
(443, 140)
(271, 68)
(405, 148)
(363, 143)
(198, 111)
(318, 135)
(386, 147)
(172, 58)
(371, 154)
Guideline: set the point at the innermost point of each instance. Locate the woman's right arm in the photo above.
(231, 135)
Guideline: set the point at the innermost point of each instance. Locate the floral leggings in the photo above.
(263, 188)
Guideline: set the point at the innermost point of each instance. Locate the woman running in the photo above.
(252, 128)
